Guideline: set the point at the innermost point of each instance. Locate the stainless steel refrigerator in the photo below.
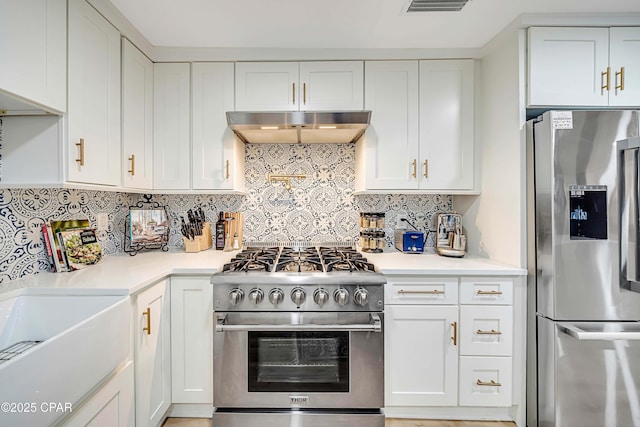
(584, 306)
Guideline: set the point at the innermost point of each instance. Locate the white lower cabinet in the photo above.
(449, 346)
(421, 355)
(152, 354)
(191, 340)
(111, 406)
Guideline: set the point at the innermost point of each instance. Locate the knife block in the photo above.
(199, 243)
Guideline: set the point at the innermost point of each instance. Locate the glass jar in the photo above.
(380, 221)
(364, 241)
(380, 242)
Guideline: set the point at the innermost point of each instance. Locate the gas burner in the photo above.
(299, 266)
(248, 265)
(349, 265)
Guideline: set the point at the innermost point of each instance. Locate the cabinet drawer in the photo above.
(485, 381)
(486, 290)
(486, 330)
(422, 291)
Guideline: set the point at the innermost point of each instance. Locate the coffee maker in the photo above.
(449, 238)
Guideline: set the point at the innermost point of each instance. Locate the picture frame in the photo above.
(147, 226)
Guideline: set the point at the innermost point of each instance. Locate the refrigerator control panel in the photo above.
(588, 212)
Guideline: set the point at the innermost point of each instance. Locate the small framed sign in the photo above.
(146, 227)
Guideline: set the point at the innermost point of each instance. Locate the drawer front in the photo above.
(422, 290)
(486, 290)
(486, 330)
(485, 381)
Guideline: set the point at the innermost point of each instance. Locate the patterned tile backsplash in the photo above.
(319, 208)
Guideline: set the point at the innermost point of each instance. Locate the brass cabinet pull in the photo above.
(605, 76)
(304, 93)
(415, 170)
(147, 313)
(491, 332)
(426, 168)
(481, 292)
(455, 333)
(492, 383)
(132, 171)
(294, 93)
(80, 146)
(432, 292)
(621, 85)
(227, 168)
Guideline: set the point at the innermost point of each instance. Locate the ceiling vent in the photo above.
(436, 5)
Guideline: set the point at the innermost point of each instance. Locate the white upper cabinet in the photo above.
(446, 125)
(334, 85)
(584, 66)
(290, 86)
(217, 155)
(171, 126)
(624, 58)
(94, 98)
(422, 126)
(34, 51)
(386, 154)
(137, 118)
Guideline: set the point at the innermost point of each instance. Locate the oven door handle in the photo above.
(374, 326)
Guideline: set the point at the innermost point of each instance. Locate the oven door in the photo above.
(299, 360)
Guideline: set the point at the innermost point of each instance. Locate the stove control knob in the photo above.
(320, 296)
(298, 296)
(255, 296)
(341, 296)
(361, 297)
(236, 296)
(276, 296)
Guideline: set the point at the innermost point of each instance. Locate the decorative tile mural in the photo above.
(319, 208)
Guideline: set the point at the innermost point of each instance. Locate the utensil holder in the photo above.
(192, 245)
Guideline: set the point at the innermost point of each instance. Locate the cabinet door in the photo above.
(94, 97)
(446, 125)
(267, 86)
(152, 355)
(34, 51)
(388, 153)
(218, 156)
(421, 355)
(111, 406)
(332, 85)
(566, 66)
(137, 118)
(171, 126)
(191, 340)
(624, 58)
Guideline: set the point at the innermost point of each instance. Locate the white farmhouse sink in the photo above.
(83, 338)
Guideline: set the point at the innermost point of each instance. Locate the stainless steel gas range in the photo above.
(298, 339)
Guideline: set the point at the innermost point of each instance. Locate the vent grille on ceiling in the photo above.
(436, 5)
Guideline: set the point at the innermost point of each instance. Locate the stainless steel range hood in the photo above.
(307, 127)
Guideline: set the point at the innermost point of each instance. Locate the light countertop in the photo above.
(125, 274)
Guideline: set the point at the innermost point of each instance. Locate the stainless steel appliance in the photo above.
(584, 337)
(307, 127)
(298, 339)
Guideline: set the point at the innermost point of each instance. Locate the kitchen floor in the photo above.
(396, 422)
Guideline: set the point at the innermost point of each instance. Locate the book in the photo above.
(80, 248)
(57, 226)
(47, 244)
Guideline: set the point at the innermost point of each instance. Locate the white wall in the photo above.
(494, 221)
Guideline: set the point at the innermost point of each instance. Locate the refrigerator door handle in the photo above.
(576, 331)
(629, 199)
